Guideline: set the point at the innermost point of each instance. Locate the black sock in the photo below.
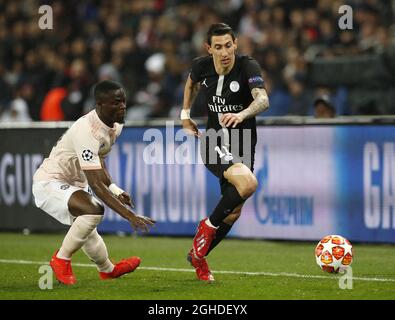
(221, 233)
(229, 201)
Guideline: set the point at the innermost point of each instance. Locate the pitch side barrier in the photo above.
(316, 177)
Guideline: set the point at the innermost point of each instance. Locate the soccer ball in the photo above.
(334, 253)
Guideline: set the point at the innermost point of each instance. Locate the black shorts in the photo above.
(218, 162)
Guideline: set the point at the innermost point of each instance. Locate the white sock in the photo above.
(208, 222)
(78, 234)
(96, 250)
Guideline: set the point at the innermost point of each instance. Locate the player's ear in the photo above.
(208, 47)
(99, 105)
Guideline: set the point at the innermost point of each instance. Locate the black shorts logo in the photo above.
(87, 155)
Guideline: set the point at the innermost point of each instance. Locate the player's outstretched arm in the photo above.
(190, 92)
(122, 195)
(258, 105)
(98, 180)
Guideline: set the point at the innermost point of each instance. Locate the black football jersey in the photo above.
(227, 93)
(230, 93)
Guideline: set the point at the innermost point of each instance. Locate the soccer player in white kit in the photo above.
(61, 186)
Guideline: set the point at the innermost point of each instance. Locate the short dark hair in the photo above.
(219, 29)
(103, 87)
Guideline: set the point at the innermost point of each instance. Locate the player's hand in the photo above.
(231, 119)
(191, 128)
(125, 198)
(141, 223)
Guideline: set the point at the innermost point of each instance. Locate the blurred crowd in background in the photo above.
(148, 45)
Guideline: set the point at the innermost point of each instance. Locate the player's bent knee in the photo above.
(82, 203)
(98, 210)
(252, 183)
(247, 185)
(236, 171)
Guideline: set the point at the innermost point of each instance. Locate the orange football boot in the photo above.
(124, 266)
(62, 269)
(203, 238)
(201, 267)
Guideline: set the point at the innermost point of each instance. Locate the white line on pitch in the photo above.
(270, 274)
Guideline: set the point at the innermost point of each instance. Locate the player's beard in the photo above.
(120, 118)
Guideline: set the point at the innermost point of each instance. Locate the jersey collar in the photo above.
(102, 124)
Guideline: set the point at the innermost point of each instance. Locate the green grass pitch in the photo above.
(244, 270)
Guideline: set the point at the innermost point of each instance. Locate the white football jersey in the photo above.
(80, 148)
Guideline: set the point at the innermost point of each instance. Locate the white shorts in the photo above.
(53, 197)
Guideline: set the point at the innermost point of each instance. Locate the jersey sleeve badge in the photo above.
(87, 155)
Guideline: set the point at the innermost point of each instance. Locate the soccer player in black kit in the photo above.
(233, 92)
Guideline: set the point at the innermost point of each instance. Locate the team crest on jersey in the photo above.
(234, 86)
(87, 155)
